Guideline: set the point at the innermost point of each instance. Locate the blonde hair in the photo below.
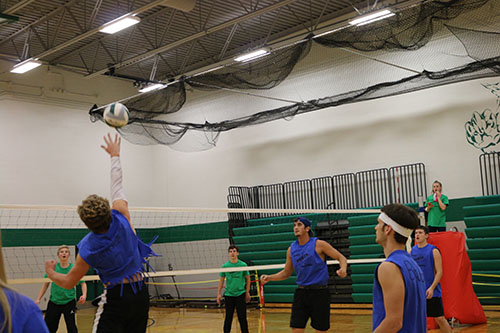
(63, 247)
(95, 212)
(4, 302)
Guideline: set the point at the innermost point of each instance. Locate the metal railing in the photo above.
(373, 188)
(489, 166)
(364, 189)
(408, 182)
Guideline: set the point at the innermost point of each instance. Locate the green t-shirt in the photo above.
(437, 217)
(61, 295)
(235, 281)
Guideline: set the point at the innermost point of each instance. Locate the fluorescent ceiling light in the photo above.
(119, 24)
(151, 87)
(369, 18)
(25, 66)
(328, 32)
(208, 70)
(252, 55)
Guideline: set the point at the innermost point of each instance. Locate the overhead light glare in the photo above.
(252, 55)
(328, 32)
(151, 87)
(369, 18)
(119, 24)
(209, 70)
(25, 66)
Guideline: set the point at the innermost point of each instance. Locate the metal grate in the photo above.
(373, 188)
(298, 194)
(408, 182)
(489, 166)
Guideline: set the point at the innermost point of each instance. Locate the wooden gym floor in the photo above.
(268, 320)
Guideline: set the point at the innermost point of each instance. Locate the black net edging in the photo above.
(409, 29)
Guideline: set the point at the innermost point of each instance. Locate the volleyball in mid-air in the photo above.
(116, 115)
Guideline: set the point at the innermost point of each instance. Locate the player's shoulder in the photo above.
(20, 302)
(387, 268)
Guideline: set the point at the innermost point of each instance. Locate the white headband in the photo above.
(395, 226)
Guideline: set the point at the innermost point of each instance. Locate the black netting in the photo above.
(468, 48)
(408, 30)
(263, 73)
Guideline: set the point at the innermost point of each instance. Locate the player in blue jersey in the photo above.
(18, 313)
(113, 249)
(399, 287)
(307, 256)
(428, 258)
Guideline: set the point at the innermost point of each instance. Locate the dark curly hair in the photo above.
(95, 212)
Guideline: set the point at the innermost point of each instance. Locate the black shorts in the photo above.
(435, 307)
(314, 304)
(436, 229)
(127, 313)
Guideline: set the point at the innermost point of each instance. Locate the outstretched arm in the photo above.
(118, 199)
(281, 275)
(326, 249)
(69, 280)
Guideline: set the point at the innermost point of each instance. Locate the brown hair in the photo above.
(424, 228)
(233, 246)
(404, 216)
(95, 212)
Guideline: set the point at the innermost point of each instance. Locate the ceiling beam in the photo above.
(195, 36)
(39, 21)
(18, 6)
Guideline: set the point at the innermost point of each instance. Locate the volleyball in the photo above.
(116, 115)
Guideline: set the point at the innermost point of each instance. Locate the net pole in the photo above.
(257, 283)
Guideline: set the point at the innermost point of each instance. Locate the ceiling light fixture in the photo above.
(208, 70)
(119, 24)
(151, 87)
(25, 66)
(372, 17)
(329, 32)
(252, 55)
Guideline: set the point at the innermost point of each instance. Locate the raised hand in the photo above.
(50, 266)
(112, 147)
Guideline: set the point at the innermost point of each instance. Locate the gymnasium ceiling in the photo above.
(168, 42)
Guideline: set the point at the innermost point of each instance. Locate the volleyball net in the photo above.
(193, 245)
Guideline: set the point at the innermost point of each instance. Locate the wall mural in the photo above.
(483, 130)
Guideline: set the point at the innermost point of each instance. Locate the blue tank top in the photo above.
(117, 254)
(25, 314)
(415, 304)
(310, 268)
(425, 259)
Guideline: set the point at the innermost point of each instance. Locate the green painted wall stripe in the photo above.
(56, 237)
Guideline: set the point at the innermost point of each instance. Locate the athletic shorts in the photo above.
(311, 303)
(435, 307)
(127, 313)
(436, 229)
